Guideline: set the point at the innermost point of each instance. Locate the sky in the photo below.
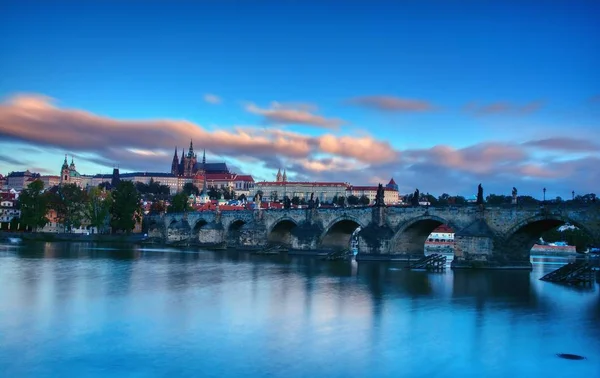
(439, 95)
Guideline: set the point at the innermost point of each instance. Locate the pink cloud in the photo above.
(285, 114)
(503, 107)
(392, 104)
(564, 144)
(212, 99)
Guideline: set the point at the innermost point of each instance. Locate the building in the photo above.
(69, 174)
(19, 180)
(50, 181)
(281, 187)
(188, 165)
(390, 195)
(441, 234)
(2, 182)
(8, 211)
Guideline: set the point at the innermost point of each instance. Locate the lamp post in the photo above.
(573, 195)
(544, 195)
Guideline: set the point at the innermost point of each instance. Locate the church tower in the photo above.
(182, 163)
(175, 164)
(65, 172)
(190, 161)
(284, 178)
(278, 178)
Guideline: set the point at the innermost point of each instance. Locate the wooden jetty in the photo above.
(338, 255)
(270, 250)
(574, 273)
(431, 262)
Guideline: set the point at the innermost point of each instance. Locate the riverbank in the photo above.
(65, 237)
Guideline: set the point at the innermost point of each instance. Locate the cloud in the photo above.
(566, 144)
(36, 120)
(503, 107)
(392, 104)
(212, 99)
(147, 145)
(294, 114)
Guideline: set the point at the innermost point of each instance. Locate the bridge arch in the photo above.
(281, 231)
(520, 238)
(196, 228)
(411, 236)
(177, 229)
(154, 228)
(338, 233)
(234, 232)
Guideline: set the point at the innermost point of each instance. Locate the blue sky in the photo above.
(455, 74)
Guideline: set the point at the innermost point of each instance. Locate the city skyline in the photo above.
(439, 97)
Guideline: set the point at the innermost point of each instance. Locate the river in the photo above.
(85, 310)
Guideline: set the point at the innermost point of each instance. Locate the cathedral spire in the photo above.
(284, 178)
(278, 178)
(191, 150)
(175, 155)
(203, 158)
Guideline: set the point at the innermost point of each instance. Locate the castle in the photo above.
(188, 165)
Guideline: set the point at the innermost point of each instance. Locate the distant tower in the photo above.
(65, 172)
(278, 178)
(190, 161)
(72, 166)
(175, 163)
(116, 178)
(203, 158)
(284, 178)
(182, 163)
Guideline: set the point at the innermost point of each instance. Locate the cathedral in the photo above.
(188, 165)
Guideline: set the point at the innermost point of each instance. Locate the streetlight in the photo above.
(544, 195)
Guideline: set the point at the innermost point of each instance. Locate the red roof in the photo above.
(245, 178)
(443, 229)
(372, 188)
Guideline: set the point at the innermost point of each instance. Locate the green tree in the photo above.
(335, 199)
(179, 203)
(495, 199)
(125, 210)
(190, 189)
(68, 201)
(296, 201)
(214, 194)
(242, 197)
(34, 205)
(341, 201)
(443, 199)
(97, 208)
(353, 200)
(364, 200)
(457, 200)
(228, 193)
(157, 207)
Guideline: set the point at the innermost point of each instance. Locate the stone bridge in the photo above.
(493, 237)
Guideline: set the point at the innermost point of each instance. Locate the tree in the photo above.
(274, 196)
(364, 200)
(458, 200)
(431, 199)
(494, 199)
(125, 210)
(34, 205)
(242, 197)
(443, 199)
(179, 203)
(97, 208)
(352, 200)
(214, 194)
(68, 201)
(228, 193)
(157, 207)
(341, 201)
(334, 200)
(189, 189)
(296, 201)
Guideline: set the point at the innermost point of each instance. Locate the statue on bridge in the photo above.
(311, 201)
(287, 203)
(514, 196)
(257, 200)
(379, 197)
(480, 195)
(415, 198)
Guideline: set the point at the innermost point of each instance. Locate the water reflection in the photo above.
(123, 311)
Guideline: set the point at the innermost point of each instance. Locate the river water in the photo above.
(84, 310)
